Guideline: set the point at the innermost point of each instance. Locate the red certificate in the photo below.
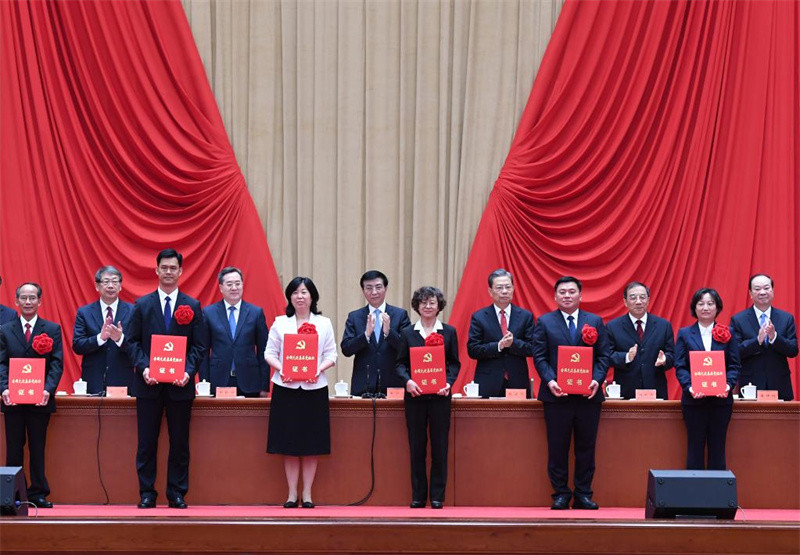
(300, 357)
(708, 372)
(575, 369)
(167, 357)
(428, 368)
(26, 380)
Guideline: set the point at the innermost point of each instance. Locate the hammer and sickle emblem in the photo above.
(301, 344)
(575, 357)
(427, 357)
(27, 369)
(168, 347)
(707, 361)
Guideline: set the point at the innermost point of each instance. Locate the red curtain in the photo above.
(112, 148)
(661, 143)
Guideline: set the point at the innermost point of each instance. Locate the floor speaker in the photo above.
(13, 492)
(691, 494)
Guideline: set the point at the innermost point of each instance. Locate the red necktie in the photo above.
(639, 330)
(109, 314)
(27, 333)
(503, 322)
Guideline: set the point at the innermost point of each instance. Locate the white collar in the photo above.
(566, 316)
(497, 310)
(238, 305)
(32, 322)
(436, 327)
(768, 312)
(633, 319)
(382, 308)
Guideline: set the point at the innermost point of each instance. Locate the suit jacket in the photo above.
(147, 320)
(485, 334)
(412, 338)
(6, 314)
(641, 372)
(245, 350)
(689, 339)
(371, 355)
(763, 365)
(13, 345)
(106, 364)
(550, 332)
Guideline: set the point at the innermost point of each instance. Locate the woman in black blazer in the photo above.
(706, 418)
(432, 410)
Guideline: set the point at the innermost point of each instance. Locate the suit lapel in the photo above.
(562, 324)
(244, 311)
(491, 314)
(649, 329)
(627, 325)
(753, 321)
(694, 335)
(97, 314)
(16, 329)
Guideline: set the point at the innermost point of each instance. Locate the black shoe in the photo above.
(560, 502)
(437, 505)
(178, 503)
(308, 504)
(147, 501)
(584, 502)
(290, 504)
(418, 504)
(41, 502)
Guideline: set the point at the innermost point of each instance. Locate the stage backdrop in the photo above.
(660, 143)
(112, 148)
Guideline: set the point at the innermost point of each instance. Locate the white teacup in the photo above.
(748, 391)
(341, 388)
(79, 387)
(203, 388)
(613, 390)
(471, 389)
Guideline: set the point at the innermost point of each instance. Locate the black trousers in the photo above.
(581, 417)
(19, 424)
(233, 382)
(423, 413)
(706, 424)
(148, 420)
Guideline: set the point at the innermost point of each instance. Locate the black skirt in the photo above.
(299, 422)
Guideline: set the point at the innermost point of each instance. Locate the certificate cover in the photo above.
(428, 368)
(708, 372)
(167, 357)
(26, 380)
(575, 369)
(300, 357)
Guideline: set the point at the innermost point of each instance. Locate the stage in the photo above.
(379, 529)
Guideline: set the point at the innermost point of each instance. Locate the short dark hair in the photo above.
(754, 276)
(229, 270)
(36, 285)
(500, 272)
(169, 253)
(568, 279)
(369, 275)
(699, 295)
(98, 275)
(426, 292)
(292, 287)
(633, 284)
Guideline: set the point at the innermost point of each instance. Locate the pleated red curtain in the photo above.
(111, 149)
(661, 143)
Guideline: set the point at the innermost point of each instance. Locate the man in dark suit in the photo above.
(165, 311)
(26, 337)
(567, 414)
(500, 340)
(372, 334)
(237, 338)
(6, 314)
(99, 340)
(767, 337)
(642, 345)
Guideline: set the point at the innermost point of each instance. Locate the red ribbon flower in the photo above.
(720, 333)
(184, 315)
(42, 344)
(589, 334)
(307, 329)
(434, 339)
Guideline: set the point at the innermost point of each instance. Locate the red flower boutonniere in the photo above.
(434, 339)
(307, 329)
(42, 344)
(720, 333)
(589, 334)
(184, 315)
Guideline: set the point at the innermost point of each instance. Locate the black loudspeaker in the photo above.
(691, 494)
(13, 492)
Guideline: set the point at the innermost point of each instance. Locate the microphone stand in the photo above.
(376, 393)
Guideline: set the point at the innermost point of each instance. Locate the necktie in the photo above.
(763, 323)
(639, 330)
(109, 314)
(27, 333)
(503, 322)
(232, 321)
(573, 331)
(378, 325)
(167, 313)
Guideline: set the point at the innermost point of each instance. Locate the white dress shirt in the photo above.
(768, 312)
(705, 335)
(103, 312)
(437, 327)
(372, 310)
(326, 348)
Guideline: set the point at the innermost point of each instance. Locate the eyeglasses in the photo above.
(375, 289)
(500, 288)
(637, 297)
(109, 282)
(430, 303)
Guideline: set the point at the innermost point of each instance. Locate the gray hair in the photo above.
(98, 275)
(500, 272)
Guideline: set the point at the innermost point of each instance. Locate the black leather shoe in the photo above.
(41, 502)
(437, 505)
(417, 504)
(560, 502)
(308, 504)
(147, 502)
(584, 502)
(290, 504)
(178, 503)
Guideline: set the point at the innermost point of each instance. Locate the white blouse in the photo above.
(326, 351)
